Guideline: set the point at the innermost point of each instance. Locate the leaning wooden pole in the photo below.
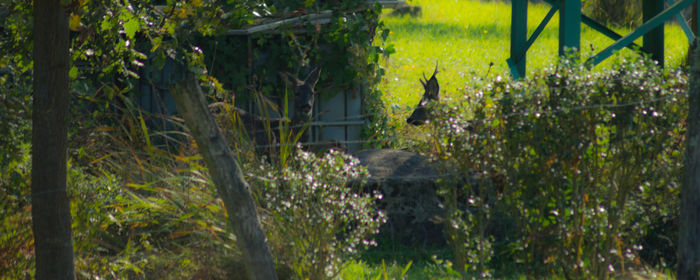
(689, 237)
(227, 176)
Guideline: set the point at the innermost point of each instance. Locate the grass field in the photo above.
(465, 36)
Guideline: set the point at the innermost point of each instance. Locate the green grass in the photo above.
(387, 271)
(465, 36)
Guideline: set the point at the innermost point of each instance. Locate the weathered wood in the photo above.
(320, 18)
(689, 237)
(51, 218)
(227, 176)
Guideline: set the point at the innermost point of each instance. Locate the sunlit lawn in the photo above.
(464, 37)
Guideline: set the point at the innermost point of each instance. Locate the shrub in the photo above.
(313, 219)
(570, 171)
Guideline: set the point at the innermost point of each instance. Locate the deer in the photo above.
(421, 114)
(264, 131)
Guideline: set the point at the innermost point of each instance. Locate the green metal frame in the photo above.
(683, 23)
(570, 18)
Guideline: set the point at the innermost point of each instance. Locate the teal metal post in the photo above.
(569, 25)
(518, 38)
(696, 14)
(683, 23)
(641, 30)
(653, 41)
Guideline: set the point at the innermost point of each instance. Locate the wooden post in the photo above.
(689, 232)
(51, 218)
(653, 41)
(518, 36)
(569, 25)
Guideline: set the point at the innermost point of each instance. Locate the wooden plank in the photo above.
(388, 4)
(320, 18)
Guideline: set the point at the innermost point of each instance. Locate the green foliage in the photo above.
(569, 171)
(313, 219)
(143, 213)
(16, 241)
(15, 82)
(168, 229)
(15, 44)
(167, 223)
(434, 269)
(138, 212)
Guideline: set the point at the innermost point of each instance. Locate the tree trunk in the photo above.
(50, 205)
(689, 239)
(227, 177)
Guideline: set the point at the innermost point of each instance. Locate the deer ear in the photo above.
(432, 90)
(313, 77)
(290, 79)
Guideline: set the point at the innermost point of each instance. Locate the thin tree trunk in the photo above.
(227, 176)
(50, 205)
(689, 239)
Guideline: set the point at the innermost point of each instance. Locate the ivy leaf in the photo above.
(105, 25)
(156, 43)
(74, 22)
(130, 27)
(73, 72)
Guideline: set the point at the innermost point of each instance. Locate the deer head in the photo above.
(432, 93)
(303, 94)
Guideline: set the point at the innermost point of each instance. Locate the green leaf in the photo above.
(73, 72)
(106, 25)
(156, 43)
(130, 27)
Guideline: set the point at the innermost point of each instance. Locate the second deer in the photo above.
(264, 132)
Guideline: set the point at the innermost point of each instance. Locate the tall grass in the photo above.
(465, 37)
